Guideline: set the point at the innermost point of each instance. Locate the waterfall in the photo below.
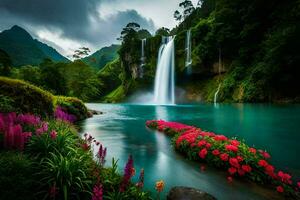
(164, 89)
(219, 70)
(143, 58)
(188, 50)
(216, 94)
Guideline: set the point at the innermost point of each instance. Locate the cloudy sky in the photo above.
(70, 24)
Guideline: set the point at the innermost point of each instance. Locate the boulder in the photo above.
(94, 112)
(188, 193)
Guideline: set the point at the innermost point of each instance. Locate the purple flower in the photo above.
(97, 192)
(61, 114)
(127, 174)
(101, 155)
(28, 119)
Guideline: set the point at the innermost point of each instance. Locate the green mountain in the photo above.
(24, 50)
(103, 56)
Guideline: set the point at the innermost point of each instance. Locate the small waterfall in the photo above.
(219, 70)
(143, 58)
(164, 89)
(216, 94)
(188, 50)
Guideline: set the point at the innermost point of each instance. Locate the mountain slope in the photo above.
(103, 56)
(24, 50)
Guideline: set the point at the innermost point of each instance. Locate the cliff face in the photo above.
(247, 48)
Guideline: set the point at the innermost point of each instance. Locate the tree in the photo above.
(81, 52)
(177, 16)
(187, 7)
(163, 31)
(5, 63)
(129, 29)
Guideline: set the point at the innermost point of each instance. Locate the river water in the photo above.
(121, 128)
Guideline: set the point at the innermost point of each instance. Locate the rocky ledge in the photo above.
(188, 193)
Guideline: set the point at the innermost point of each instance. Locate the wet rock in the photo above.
(188, 193)
(94, 112)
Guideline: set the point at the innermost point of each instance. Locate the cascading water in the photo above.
(143, 58)
(164, 89)
(219, 70)
(188, 49)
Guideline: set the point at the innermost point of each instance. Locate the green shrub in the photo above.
(67, 172)
(73, 106)
(7, 104)
(16, 181)
(26, 97)
(65, 141)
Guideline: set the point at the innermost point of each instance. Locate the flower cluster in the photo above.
(235, 156)
(97, 192)
(101, 154)
(61, 114)
(17, 129)
(128, 173)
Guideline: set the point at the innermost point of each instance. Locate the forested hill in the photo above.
(24, 50)
(256, 43)
(103, 56)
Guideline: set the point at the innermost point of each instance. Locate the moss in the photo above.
(27, 98)
(116, 95)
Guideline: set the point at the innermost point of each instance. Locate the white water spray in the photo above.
(143, 58)
(164, 89)
(188, 50)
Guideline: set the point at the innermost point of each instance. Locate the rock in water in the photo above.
(187, 193)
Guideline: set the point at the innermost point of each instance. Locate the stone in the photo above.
(188, 193)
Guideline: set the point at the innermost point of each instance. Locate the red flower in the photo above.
(280, 189)
(269, 168)
(215, 152)
(264, 154)
(285, 177)
(298, 184)
(246, 168)
(229, 179)
(235, 142)
(224, 156)
(232, 170)
(201, 143)
(252, 150)
(202, 153)
(208, 145)
(263, 163)
(53, 135)
(234, 162)
(220, 138)
(230, 147)
(240, 158)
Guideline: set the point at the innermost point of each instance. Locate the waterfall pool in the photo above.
(122, 129)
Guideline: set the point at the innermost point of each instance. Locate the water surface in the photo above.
(273, 127)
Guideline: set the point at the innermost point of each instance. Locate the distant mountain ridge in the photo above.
(103, 56)
(24, 50)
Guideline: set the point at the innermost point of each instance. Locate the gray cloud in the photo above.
(78, 20)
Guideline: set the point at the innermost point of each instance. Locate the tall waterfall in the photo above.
(188, 49)
(143, 58)
(164, 89)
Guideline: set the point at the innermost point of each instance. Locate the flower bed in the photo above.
(230, 154)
